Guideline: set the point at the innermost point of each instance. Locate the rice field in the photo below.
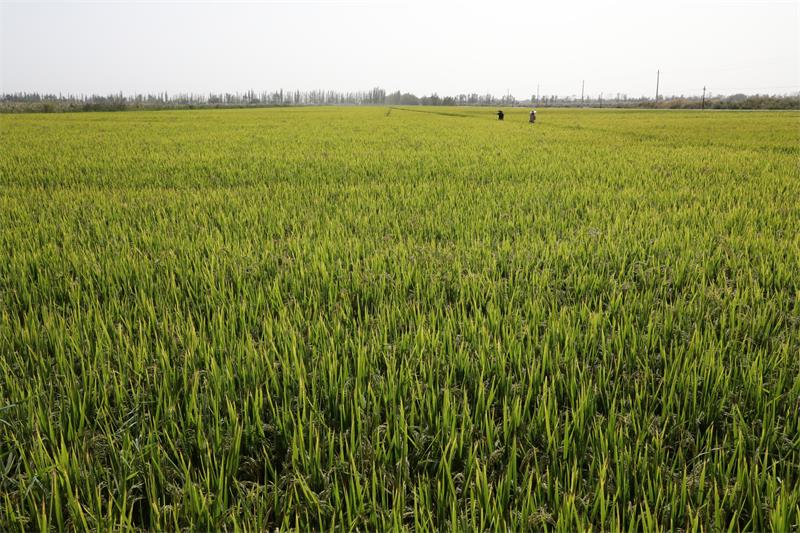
(400, 319)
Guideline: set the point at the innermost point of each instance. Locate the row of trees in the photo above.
(398, 98)
(736, 101)
(36, 102)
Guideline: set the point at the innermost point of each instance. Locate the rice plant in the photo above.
(343, 318)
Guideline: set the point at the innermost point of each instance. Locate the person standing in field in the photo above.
(500, 115)
(532, 118)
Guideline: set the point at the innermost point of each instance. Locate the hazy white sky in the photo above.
(419, 46)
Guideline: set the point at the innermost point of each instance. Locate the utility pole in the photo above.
(703, 105)
(658, 77)
(601, 100)
(537, 94)
(583, 82)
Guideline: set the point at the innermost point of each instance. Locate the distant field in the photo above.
(368, 318)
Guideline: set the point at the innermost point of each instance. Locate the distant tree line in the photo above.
(49, 103)
(36, 102)
(736, 101)
(399, 98)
